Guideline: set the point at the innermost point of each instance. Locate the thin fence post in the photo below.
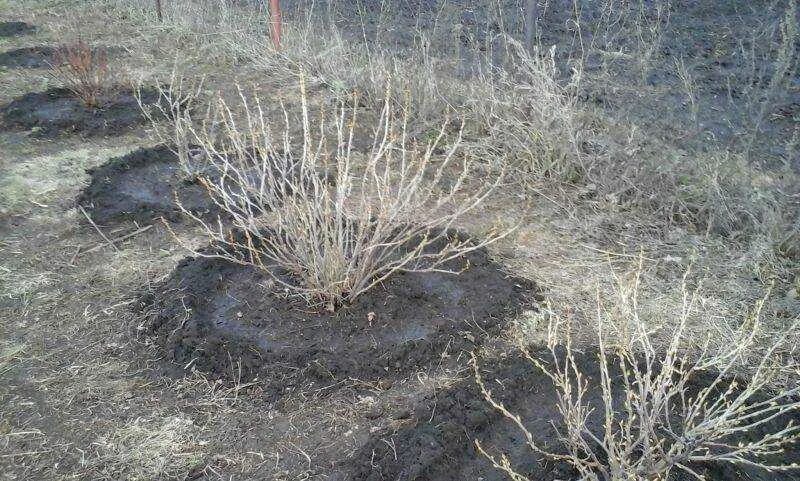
(275, 22)
(159, 12)
(531, 14)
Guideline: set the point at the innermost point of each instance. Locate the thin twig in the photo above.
(616, 254)
(75, 256)
(97, 228)
(117, 239)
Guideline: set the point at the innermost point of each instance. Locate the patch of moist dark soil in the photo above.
(15, 29)
(214, 314)
(28, 57)
(143, 186)
(42, 56)
(58, 111)
(436, 442)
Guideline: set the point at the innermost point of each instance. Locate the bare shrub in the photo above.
(338, 222)
(656, 416)
(176, 100)
(83, 70)
(531, 115)
(518, 108)
(765, 87)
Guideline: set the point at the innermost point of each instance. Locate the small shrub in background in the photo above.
(83, 70)
(519, 109)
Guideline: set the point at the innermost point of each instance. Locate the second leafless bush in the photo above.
(663, 410)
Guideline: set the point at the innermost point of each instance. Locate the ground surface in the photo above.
(58, 111)
(142, 186)
(210, 311)
(28, 57)
(88, 392)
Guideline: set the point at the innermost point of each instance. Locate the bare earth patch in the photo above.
(58, 111)
(15, 29)
(230, 320)
(28, 57)
(437, 441)
(143, 186)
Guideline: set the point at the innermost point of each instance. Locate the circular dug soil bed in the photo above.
(58, 111)
(16, 29)
(214, 314)
(142, 186)
(42, 56)
(436, 440)
(28, 57)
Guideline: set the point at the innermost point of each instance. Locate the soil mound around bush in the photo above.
(437, 441)
(42, 56)
(143, 186)
(58, 111)
(16, 29)
(28, 57)
(217, 316)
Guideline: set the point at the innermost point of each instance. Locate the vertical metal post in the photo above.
(531, 14)
(275, 22)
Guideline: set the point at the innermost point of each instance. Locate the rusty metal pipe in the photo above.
(275, 22)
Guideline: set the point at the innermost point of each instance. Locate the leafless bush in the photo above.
(517, 106)
(337, 221)
(622, 37)
(531, 116)
(83, 70)
(655, 416)
(764, 87)
(176, 100)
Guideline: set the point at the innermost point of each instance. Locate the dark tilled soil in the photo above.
(42, 56)
(15, 29)
(213, 314)
(143, 186)
(58, 111)
(436, 443)
(28, 57)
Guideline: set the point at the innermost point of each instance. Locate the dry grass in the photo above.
(148, 449)
(601, 164)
